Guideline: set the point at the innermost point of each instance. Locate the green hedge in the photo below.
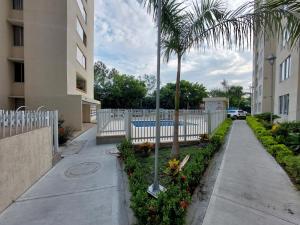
(283, 155)
(170, 207)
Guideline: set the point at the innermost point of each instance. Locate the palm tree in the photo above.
(208, 23)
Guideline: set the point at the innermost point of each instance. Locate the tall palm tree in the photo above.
(208, 23)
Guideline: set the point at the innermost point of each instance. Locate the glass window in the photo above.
(19, 72)
(82, 10)
(81, 32)
(284, 102)
(285, 69)
(18, 4)
(18, 34)
(80, 83)
(285, 37)
(81, 58)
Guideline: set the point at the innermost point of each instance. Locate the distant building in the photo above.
(214, 104)
(46, 57)
(276, 90)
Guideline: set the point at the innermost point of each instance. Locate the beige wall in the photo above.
(69, 108)
(45, 39)
(5, 46)
(73, 40)
(24, 159)
(291, 85)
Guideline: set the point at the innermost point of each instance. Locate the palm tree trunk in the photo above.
(175, 147)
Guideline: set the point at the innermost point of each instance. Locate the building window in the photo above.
(284, 102)
(82, 10)
(80, 83)
(81, 58)
(19, 72)
(81, 32)
(285, 37)
(17, 4)
(285, 69)
(260, 90)
(18, 36)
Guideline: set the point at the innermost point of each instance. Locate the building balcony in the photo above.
(16, 17)
(17, 90)
(17, 54)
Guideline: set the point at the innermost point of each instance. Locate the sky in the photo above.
(125, 39)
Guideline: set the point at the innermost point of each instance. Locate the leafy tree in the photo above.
(123, 91)
(209, 23)
(150, 81)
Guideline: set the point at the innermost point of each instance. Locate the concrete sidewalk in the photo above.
(251, 188)
(82, 189)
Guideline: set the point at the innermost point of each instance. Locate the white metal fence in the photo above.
(18, 122)
(139, 125)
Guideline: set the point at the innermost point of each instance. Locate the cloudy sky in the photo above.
(125, 38)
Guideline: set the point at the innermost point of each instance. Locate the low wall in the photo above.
(24, 158)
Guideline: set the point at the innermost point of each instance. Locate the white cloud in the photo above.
(125, 38)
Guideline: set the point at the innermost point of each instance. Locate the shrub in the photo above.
(64, 133)
(145, 148)
(293, 168)
(266, 117)
(170, 206)
(267, 141)
(283, 155)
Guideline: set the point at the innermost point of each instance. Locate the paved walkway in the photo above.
(82, 189)
(251, 188)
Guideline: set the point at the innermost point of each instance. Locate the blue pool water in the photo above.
(163, 123)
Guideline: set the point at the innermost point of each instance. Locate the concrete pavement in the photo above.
(251, 188)
(82, 189)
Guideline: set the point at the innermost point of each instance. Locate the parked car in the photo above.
(236, 114)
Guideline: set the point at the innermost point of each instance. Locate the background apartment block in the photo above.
(276, 90)
(46, 57)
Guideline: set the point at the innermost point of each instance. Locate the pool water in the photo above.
(149, 123)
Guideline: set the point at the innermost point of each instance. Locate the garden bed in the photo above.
(286, 156)
(170, 207)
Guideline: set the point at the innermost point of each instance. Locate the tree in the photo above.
(209, 23)
(150, 81)
(123, 91)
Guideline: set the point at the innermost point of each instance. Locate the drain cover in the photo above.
(82, 169)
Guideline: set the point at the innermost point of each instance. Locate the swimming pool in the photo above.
(152, 123)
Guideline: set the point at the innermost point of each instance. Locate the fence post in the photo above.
(55, 131)
(98, 120)
(128, 124)
(209, 122)
(185, 124)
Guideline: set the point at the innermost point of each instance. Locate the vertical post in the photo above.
(185, 124)
(97, 119)
(209, 131)
(55, 131)
(128, 124)
(10, 122)
(22, 121)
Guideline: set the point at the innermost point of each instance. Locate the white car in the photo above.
(236, 114)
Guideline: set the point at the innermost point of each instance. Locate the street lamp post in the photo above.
(155, 188)
(271, 59)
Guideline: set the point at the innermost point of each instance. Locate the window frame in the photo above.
(285, 69)
(80, 31)
(284, 104)
(18, 36)
(19, 78)
(82, 10)
(81, 57)
(17, 4)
